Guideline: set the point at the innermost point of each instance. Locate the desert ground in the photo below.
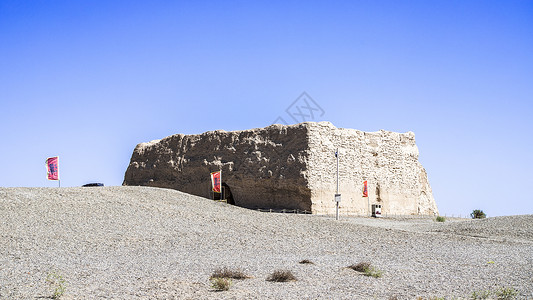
(150, 243)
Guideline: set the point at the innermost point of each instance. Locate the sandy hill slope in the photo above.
(150, 243)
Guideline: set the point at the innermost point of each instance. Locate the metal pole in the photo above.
(337, 155)
(336, 202)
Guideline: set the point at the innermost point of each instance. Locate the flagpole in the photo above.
(212, 186)
(368, 200)
(58, 176)
(337, 202)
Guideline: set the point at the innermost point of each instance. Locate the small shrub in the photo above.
(478, 214)
(440, 219)
(501, 294)
(360, 267)
(57, 284)
(229, 273)
(367, 269)
(307, 261)
(220, 283)
(281, 276)
(373, 272)
(506, 293)
(480, 295)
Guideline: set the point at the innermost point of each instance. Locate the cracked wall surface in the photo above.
(264, 167)
(292, 167)
(388, 161)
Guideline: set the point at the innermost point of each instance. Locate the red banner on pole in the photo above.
(52, 167)
(365, 189)
(216, 182)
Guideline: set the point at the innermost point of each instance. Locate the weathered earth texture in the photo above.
(291, 167)
(152, 243)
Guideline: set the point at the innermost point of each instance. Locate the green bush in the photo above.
(478, 214)
(440, 219)
(57, 284)
(500, 294)
(220, 283)
(480, 295)
(506, 293)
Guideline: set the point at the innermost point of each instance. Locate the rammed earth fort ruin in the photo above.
(291, 167)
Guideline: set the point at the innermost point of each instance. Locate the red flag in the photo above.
(52, 167)
(365, 189)
(216, 182)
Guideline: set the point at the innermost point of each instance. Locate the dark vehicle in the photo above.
(93, 184)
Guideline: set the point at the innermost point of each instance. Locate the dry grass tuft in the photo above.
(229, 273)
(281, 276)
(307, 261)
(367, 269)
(360, 267)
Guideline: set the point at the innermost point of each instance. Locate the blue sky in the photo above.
(89, 80)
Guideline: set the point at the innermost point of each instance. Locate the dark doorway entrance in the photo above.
(226, 193)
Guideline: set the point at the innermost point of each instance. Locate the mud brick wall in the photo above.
(292, 167)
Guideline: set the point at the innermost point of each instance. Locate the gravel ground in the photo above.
(150, 243)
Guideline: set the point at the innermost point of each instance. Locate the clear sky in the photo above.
(88, 80)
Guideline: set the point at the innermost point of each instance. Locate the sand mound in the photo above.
(503, 228)
(149, 243)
